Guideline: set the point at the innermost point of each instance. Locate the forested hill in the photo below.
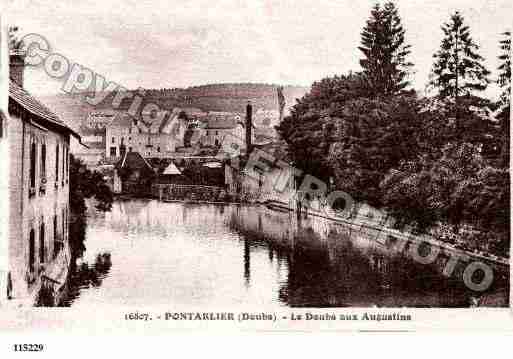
(214, 97)
(225, 97)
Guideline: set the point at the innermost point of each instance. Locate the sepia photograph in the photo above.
(327, 165)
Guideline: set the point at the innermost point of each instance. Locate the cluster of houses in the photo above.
(172, 147)
(134, 152)
(182, 132)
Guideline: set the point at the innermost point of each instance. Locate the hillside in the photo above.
(214, 97)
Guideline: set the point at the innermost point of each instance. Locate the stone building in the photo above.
(38, 192)
(151, 136)
(218, 125)
(92, 131)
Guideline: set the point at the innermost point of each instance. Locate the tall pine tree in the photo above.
(505, 68)
(458, 68)
(504, 82)
(385, 63)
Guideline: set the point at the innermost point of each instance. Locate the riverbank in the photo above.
(355, 222)
(364, 222)
(239, 254)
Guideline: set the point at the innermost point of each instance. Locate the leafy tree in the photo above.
(459, 187)
(407, 193)
(505, 68)
(423, 191)
(385, 63)
(458, 68)
(372, 136)
(504, 103)
(307, 131)
(84, 184)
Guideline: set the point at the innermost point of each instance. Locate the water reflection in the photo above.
(85, 276)
(149, 252)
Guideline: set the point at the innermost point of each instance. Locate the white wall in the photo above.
(28, 212)
(4, 158)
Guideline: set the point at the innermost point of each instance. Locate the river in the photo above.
(146, 252)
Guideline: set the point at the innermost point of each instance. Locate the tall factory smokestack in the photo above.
(281, 101)
(249, 126)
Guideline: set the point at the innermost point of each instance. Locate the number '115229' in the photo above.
(28, 347)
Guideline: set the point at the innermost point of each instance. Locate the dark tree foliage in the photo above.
(458, 68)
(412, 157)
(198, 174)
(385, 62)
(504, 104)
(370, 137)
(505, 68)
(308, 129)
(84, 184)
(459, 187)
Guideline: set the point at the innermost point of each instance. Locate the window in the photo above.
(129, 139)
(32, 254)
(42, 243)
(113, 152)
(64, 153)
(63, 225)
(55, 237)
(57, 163)
(66, 226)
(67, 164)
(113, 140)
(43, 161)
(129, 149)
(33, 165)
(158, 148)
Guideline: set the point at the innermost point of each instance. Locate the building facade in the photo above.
(217, 126)
(38, 194)
(156, 136)
(92, 131)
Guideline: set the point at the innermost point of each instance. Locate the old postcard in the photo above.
(269, 165)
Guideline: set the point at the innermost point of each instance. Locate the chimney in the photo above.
(16, 66)
(249, 126)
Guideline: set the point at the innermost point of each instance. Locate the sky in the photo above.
(155, 44)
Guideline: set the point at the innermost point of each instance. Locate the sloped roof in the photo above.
(28, 102)
(133, 160)
(171, 170)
